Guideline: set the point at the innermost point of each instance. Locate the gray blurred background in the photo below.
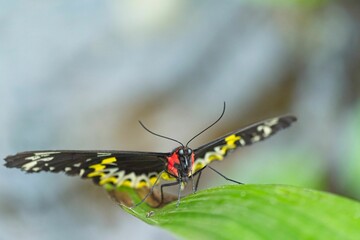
(80, 74)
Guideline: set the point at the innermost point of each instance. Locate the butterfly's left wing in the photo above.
(219, 148)
(118, 168)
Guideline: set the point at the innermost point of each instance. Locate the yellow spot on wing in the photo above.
(153, 180)
(97, 167)
(224, 149)
(142, 184)
(96, 174)
(108, 180)
(108, 160)
(98, 170)
(230, 140)
(214, 157)
(127, 183)
(167, 176)
(198, 166)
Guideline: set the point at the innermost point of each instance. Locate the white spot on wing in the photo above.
(46, 159)
(45, 154)
(33, 158)
(38, 157)
(255, 138)
(265, 129)
(29, 165)
(272, 122)
(67, 169)
(103, 154)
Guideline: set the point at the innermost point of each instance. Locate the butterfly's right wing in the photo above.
(219, 148)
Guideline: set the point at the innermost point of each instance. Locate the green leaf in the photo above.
(257, 212)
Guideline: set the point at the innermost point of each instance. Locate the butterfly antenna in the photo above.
(222, 114)
(159, 134)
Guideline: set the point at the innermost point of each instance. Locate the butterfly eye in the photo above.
(189, 151)
(181, 151)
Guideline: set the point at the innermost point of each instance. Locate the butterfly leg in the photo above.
(150, 191)
(198, 179)
(179, 195)
(192, 183)
(167, 185)
(231, 180)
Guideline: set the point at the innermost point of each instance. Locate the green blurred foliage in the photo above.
(296, 166)
(349, 166)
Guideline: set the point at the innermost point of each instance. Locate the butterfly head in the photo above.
(180, 163)
(186, 160)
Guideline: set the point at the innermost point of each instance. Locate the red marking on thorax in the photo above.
(192, 160)
(172, 160)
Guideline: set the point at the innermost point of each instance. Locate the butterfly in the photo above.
(144, 169)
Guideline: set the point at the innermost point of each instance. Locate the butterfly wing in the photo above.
(118, 168)
(219, 148)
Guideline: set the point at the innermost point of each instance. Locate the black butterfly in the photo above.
(144, 169)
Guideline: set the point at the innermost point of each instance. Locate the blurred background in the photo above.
(80, 74)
